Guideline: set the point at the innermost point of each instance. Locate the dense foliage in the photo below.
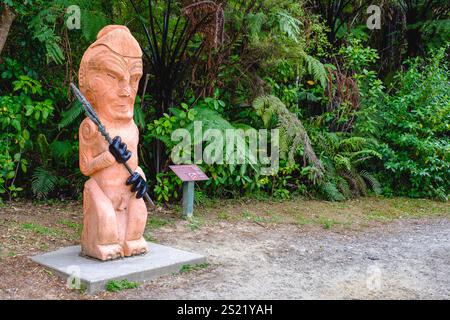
(358, 110)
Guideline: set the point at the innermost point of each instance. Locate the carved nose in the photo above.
(125, 92)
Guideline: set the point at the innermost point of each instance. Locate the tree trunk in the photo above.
(6, 20)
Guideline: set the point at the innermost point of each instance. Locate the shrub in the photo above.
(417, 121)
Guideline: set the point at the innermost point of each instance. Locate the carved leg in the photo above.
(137, 219)
(100, 237)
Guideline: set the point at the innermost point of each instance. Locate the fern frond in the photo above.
(352, 143)
(255, 22)
(363, 155)
(70, 115)
(343, 187)
(139, 116)
(373, 182)
(316, 69)
(332, 193)
(361, 184)
(269, 106)
(61, 150)
(43, 182)
(213, 120)
(342, 162)
(289, 25)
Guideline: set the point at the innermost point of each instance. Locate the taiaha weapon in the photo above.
(90, 112)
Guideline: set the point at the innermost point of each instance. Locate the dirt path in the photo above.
(250, 258)
(407, 259)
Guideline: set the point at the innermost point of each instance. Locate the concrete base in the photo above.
(95, 274)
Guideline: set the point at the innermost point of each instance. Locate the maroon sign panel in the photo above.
(189, 173)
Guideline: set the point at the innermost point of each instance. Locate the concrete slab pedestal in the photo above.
(95, 274)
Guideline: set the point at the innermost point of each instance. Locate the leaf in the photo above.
(43, 182)
(44, 149)
(70, 115)
(26, 134)
(316, 69)
(91, 24)
(139, 117)
(61, 150)
(16, 124)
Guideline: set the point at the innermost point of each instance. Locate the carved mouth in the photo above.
(122, 107)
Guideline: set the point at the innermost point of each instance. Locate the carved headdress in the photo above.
(111, 39)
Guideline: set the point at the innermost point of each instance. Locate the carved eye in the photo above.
(134, 79)
(111, 76)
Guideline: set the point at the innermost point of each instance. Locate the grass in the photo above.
(119, 285)
(195, 223)
(268, 217)
(223, 216)
(327, 223)
(355, 213)
(77, 227)
(193, 267)
(154, 223)
(149, 237)
(43, 230)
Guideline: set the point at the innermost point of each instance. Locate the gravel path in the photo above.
(406, 259)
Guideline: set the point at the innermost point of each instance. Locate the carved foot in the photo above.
(104, 252)
(135, 247)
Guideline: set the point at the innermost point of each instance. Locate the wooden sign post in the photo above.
(189, 174)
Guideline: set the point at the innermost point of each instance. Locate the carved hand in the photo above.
(119, 150)
(138, 185)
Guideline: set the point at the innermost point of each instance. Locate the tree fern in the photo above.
(341, 156)
(255, 22)
(213, 120)
(268, 107)
(289, 25)
(43, 182)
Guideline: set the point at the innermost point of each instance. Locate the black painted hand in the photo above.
(137, 184)
(119, 150)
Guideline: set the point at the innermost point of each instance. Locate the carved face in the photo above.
(114, 83)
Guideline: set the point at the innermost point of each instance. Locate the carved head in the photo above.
(110, 71)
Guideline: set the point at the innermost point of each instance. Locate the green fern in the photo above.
(341, 156)
(316, 68)
(70, 115)
(43, 182)
(42, 29)
(213, 120)
(255, 22)
(293, 134)
(372, 181)
(343, 187)
(289, 25)
(352, 143)
(332, 193)
(61, 150)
